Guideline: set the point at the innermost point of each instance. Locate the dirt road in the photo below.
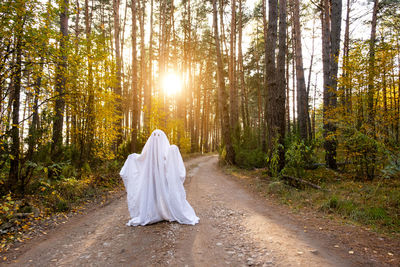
(236, 229)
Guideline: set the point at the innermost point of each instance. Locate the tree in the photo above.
(222, 106)
(117, 85)
(281, 83)
(13, 178)
(90, 89)
(233, 96)
(61, 79)
(331, 24)
(135, 110)
(302, 98)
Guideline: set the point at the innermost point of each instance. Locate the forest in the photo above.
(283, 86)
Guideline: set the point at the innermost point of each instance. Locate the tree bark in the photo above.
(346, 47)
(233, 96)
(371, 69)
(331, 24)
(222, 96)
(243, 92)
(61, 77)
(144, 73)
(134, 86)
(302, 101)
(91, 115)
(13, 177)
(271, 77)
(149, 102)
(281, 84)
(118, 74)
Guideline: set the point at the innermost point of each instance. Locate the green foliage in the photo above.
(364, 153)
(273, 161)
(298, 156)
(248, 154)
(249, 159)
(392, 169)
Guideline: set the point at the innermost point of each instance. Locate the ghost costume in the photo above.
(154, 184)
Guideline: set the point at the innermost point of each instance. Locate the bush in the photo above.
(249, 159)
(248, 154)
(364, 153)
(392, 169)
(298, 156)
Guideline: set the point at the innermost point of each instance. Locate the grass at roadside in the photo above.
(375, 204)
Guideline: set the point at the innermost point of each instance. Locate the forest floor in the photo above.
(237, 228)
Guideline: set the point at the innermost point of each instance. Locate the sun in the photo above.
(172, 84)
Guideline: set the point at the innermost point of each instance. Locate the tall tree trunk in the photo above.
(302, 101)
(280, 99)
(74, 82)
(149, 102)
(61, 77)
(271, 88)
(144, 74)
(224, 49)
(135, 111)
(91, 115)
(222, 96)
(331, 24)
(125, 95)
(287, 81)
(13, 177)
(346, 47)
(234, 116)
(117, 85)
(371, 69)
(309, 126)
(243, 92)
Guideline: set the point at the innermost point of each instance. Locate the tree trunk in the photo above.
(13, 177)
(371, 69)
(149, 101)
(91, 111)
(287, 81)
(243, 92)
(302, 101)
(222, 96)
(346, 47)
(309, 126)
(61, 77)
(144, 74)
(234, 116)
(281, 84)
(117, 85)
(134, 81)
(271, 77)
(331, 24)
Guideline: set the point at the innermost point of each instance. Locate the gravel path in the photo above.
(236, 229)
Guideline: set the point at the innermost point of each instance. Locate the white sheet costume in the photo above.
(154, 184)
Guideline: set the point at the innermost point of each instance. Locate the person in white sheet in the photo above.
(154, 184)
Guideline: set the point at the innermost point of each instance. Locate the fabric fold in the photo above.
(154, 184)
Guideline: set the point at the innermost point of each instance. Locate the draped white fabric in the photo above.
(154, 184)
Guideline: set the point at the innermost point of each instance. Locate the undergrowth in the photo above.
(44, 197)
(375, 204)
